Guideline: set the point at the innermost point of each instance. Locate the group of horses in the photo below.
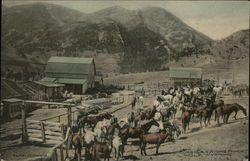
(239, 90)
(100, 132)
(199, 101)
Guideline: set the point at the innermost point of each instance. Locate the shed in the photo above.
(76, 73)
(11, 99)
(181, 75)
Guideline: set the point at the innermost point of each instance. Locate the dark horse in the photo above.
(226, 110)
(92, 120)
(133, 103)
(136, 132)
(207, 112)
(157, 139)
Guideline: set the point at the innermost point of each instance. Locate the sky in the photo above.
(216, 19)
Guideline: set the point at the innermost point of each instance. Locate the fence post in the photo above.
(55, 152)
(43, 131)
(62, 131)
(24, 128)
(61, 153)
(69, 115)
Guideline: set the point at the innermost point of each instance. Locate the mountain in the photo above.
(37, 16)
(177, 33)
(134, 40)
(233, 47)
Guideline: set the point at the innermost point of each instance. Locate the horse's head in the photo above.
(190, 109)
(242, 109)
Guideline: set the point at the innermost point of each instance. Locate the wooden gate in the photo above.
(45, 132)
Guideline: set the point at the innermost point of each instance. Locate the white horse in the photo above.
(168, 98)
(156, 103)
(218, 91)
(188, 91)
(139, 102)
(196, 90)
(100, 133)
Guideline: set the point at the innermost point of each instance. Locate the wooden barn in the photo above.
(12, 96)
(184, 76)
(74, 74)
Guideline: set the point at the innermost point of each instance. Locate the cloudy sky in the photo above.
(217, 19)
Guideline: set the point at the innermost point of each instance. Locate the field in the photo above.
(236, 71)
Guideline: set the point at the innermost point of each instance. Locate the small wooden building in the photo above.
(184, 76)
(77, 74)
(11, 99)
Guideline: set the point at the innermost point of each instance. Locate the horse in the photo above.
(207, 111)
(226, 110)
(157, 139)
(217, 90)
(126, 133)
(185, 118)
(83, 112)
(99, 148)
(140, 115)
(133, 103)
(76, 142)
(166, 113)
(118, 147)
(92, 120)
(150, 112)
(88, 140)
(140, 101)
(131, 118)
(111, 128)
(168, 98)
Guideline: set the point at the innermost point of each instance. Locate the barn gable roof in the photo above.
(9, 89)
(69, 65)
(181, 72)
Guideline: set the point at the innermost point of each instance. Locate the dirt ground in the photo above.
(228, 142)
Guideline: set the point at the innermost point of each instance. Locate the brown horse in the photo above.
(136, 132)
(150, 112)
(101, 149)
(185, 118)
(111, 128)
(140, 115)
(226, 110)
(157, 139)
(206, 113)
(76, 142)
(92, 120)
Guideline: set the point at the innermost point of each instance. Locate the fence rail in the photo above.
(45, 132)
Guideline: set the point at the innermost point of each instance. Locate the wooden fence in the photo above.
(45, 132)
(60, 152)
